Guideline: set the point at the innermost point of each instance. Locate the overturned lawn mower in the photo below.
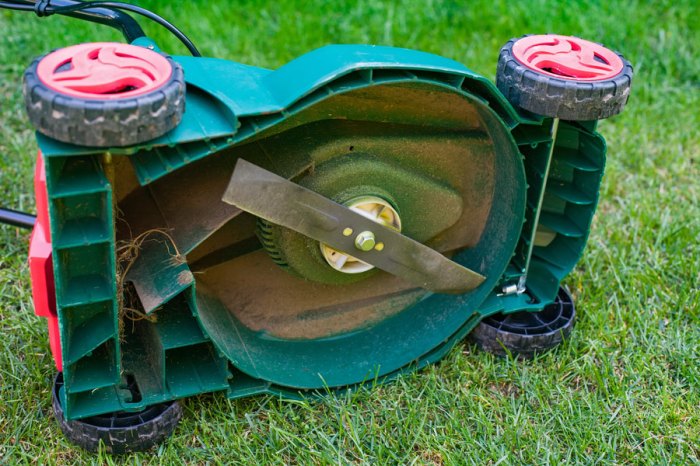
(206, 226)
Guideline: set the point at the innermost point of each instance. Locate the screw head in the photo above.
(365, 241)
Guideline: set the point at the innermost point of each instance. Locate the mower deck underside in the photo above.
(208, 305)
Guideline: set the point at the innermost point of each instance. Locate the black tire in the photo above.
(526, 333)
(120, 432)
(104, 123)
(567, 99)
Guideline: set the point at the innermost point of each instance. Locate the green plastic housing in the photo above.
(228, 104)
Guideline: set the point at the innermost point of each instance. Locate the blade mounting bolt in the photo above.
(365, 241)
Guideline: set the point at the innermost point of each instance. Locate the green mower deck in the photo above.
(389, 106)
(343, 219)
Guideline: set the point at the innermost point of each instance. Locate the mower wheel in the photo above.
(120, 432)
(563, 77)
(526, 333)
(104, 94)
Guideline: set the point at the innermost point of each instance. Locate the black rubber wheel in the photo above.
(526, 333)
(544, 89)
(120, 432)
(104, 121)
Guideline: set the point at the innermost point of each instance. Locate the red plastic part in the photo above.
(41, 264)
(567, 57)
(104, 71)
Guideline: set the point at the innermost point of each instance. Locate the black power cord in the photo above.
(44, 8)
(15, 218)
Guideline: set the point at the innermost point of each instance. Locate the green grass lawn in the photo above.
(624, 390)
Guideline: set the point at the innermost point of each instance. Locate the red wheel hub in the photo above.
(104, 70)
(567, 57)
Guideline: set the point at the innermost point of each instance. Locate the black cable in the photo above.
(134, 9)
(16, 6)
(16, 218)
(117, 19)
(47, 9)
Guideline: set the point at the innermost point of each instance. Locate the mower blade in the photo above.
(280, 201)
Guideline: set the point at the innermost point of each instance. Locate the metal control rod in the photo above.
(540, 199)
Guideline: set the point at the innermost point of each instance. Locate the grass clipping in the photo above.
(128, 252)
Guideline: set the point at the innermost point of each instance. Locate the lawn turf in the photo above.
(623, 390)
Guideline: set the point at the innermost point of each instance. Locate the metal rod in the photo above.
(18, 219)
(536, 221)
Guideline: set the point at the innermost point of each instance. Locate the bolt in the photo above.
(365, 241)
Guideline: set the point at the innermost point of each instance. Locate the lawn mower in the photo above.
(208, 226)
